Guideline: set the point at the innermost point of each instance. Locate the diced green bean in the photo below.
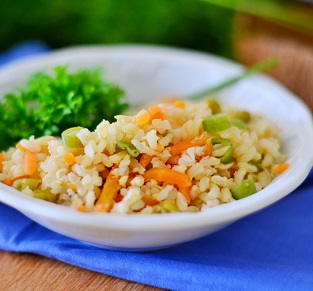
(227, 157)
(169, 206)
(70, 139)
(216, 123)
(45, 195)
(243, 115)
(165, 206)
(21, 184)
(246, 188)
(240, 124)
(213, 105)
(129, 147)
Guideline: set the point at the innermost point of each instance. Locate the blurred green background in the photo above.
(183, 23)
(205, 25)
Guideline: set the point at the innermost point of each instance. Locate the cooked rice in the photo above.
(255, 152)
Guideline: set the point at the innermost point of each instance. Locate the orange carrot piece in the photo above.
(146, 117)
(119, 197)
(155, 112)
(81, 208)
(1, 161)
(183, 145)
(180, 104)
(108, 194)
(35, 175)
(44, 149)
(69, 158)
(150, 201)
(30, 162)
(145, 160)
(10, 182)
(267, 133)
(174, 102)
(104, 174)
(208, 148)
(142, 119)
(167, 175)
(280, 168)
(173, 160)
(232, 172)
(7, 182)
(186, 192)
(20, 177)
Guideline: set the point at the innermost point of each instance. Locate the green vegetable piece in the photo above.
(224, 142)
(21, 184)
(257, 164)
(246, 188)
(214, 106)
(130, 148)
(243, 115)
(240, 124)
(45, 195)
(70, 139)
(168, 206)
(197, 202)
(216, 123)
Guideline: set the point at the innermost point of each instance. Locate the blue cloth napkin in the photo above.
(23, 50)
(269, 250)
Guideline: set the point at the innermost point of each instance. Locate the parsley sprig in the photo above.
(51, 103)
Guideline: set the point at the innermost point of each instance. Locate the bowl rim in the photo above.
(152, 222)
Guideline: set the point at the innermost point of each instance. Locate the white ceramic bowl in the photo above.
(147, 72)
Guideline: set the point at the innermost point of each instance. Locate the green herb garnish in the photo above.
(50, 104)
(254, 69)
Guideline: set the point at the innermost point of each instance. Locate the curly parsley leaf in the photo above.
(49, 104)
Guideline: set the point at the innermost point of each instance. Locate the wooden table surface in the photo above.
(33, 272)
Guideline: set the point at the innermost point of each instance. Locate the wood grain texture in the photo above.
(256, 40)
(33, 272)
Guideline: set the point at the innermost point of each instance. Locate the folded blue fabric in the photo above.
(269, 250)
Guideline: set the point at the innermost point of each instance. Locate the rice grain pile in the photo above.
(166, 158)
